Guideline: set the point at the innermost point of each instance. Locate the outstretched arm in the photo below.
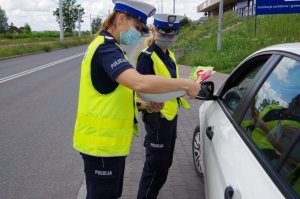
(155, 84)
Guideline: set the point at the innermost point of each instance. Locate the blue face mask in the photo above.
(130, 37)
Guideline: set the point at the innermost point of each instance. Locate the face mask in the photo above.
(130, 37)
(164, 42)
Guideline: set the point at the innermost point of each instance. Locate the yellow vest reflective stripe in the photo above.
(104, 123)
(296, 184)
(170, 108)
(259, 136)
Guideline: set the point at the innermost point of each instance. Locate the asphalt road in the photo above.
(38, 102)
(37, 112)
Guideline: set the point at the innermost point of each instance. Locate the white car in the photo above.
(247, 144)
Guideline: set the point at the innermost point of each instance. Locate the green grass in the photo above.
(238, 42)
(12, 47)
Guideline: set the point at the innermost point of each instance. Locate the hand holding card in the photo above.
(201, 73)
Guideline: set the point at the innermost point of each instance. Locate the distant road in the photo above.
(38, 102)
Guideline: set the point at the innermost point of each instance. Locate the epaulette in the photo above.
(147, 52)
(109, 39)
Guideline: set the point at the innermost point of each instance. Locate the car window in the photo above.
(237, 90)
(290, 171)
(272, 120)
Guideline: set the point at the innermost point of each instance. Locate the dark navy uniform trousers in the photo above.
(159, 143)
(104, 176)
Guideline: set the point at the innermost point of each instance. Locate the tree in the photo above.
(3, 21)
(13, 29)
(70, 14)
(185, 22)
(26, 28)
(96, 24)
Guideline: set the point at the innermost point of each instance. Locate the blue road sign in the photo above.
(265, 7)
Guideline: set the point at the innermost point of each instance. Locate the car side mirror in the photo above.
(206, 91)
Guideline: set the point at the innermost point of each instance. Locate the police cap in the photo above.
(137, 9)
(167, 23)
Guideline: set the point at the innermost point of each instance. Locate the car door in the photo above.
(230, 168)
(271, 126)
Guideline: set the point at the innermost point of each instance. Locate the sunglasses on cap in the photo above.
(168, 31)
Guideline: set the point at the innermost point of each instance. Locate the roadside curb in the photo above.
(39, 52)
(82, 190)
(23, 55)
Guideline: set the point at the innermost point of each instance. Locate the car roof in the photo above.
(293, 48)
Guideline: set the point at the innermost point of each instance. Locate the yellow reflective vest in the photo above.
(294, 179)
(170, 108)
(105, 122)
(259, 136)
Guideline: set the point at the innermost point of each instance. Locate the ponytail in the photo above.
(150, 40)
(108, 22)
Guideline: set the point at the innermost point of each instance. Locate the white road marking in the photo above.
(5, 79)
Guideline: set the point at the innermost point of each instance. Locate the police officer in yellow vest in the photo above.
(106, 113)
(274, 129)
(269, 126)
(160, 125)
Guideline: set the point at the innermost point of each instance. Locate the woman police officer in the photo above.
(106, 107)
(160, 125)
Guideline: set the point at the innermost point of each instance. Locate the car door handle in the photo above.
(209, 132)
(228, 192)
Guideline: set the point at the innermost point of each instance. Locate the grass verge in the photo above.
(32, 46)
(238, 41)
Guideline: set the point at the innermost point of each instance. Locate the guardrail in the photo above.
(245, 11)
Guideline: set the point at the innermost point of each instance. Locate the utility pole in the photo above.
(91, 24)
(219, 45)
(157, 1)
(174, 6)
(161, 7)
(61, 22)
(79, 33)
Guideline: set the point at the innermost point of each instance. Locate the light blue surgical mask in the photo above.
(130, 37)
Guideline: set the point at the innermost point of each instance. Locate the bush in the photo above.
(185, 22)
(46, 48)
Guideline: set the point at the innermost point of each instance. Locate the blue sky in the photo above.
(38, 13)
(282, 85)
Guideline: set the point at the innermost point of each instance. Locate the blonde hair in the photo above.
(150, 40)
(110, 21)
